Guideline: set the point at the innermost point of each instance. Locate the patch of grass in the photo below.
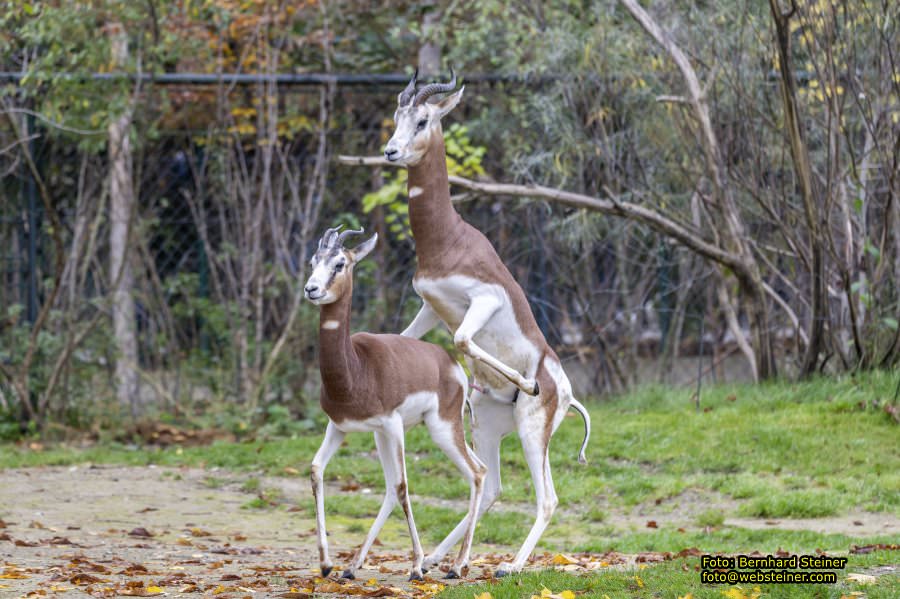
(726, 539)
(251, 485)
(676, 578)
(213, 482)
(595, 514)
(710, 518)
(257, 503)
(793, 504)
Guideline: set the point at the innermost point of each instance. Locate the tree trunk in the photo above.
(429, 51)
(121, 194)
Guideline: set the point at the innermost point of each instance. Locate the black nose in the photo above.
(390, 153)
(311, 289)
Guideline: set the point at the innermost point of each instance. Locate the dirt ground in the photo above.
(111, 531)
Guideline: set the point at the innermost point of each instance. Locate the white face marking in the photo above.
(331, 325)
(327, 268)
(415, 191)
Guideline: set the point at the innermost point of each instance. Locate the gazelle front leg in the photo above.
(394, 453)
(424, 321)
(391, 477)
(330, 444)
(480, 311)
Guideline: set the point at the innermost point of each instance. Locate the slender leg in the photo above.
(493, 421)
(424, 321)
(480, 311)
(450, 437)
(330, 444)
(394, 435)
(391, 478)
(536, 447)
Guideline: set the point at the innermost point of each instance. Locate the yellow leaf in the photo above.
(567, 595)
(154, 589)
(219, 590)
(688, 596)
(561, 560)
(291, 471)
(639, 582)
(484, 595)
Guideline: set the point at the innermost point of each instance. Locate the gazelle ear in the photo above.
(363, 249)
(449, 103)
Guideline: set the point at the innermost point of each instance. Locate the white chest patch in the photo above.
(331, 325)
(415, 191)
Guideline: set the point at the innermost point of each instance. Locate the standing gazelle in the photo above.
(383, 384)
(464, 284)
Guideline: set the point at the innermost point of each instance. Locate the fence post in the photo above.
(31, 303)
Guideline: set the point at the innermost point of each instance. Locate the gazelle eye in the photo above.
(421, 124)
(339, 267)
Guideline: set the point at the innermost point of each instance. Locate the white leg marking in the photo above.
(445, 436)
(531, 433)
(492, 422)
(330, 444)
(424, 321)
(479, 313)
(382, 444)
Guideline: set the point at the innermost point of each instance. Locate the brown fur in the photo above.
(445, 243)
(358, 379)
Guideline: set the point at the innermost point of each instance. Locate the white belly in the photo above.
(412, 412)
(502, 337)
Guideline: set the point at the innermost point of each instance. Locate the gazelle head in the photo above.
(417, 120)
(332, 266)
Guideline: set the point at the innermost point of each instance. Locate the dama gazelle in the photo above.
(383, 384)
(464, 284)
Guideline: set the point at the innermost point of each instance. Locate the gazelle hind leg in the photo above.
(330, 444)
(532, 433)
(493, 421)
(391, 478)
(450, 437)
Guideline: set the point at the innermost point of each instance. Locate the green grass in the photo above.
(673, 579)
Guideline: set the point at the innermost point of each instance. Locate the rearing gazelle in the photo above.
(383, 384)
(519, 382)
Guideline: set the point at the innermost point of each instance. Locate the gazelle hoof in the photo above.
(532, 387)
(415, 576)
(451, 575)
(348, 574)
(501, 573)
(326, 570)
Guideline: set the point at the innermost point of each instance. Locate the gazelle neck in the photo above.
(337, 358)
(431, 213)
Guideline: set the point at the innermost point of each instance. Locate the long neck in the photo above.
(337, 358)
(431, 213)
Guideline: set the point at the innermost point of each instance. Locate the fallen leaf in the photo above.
(484, 595)
(199, 532)
(291, 471)
(561, 560)
(652, 524)
(688, 596)
(140, 531)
